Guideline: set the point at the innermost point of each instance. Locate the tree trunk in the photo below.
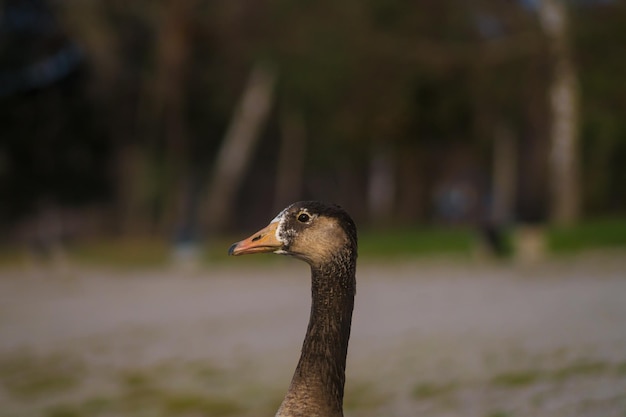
(291, 159)
(234, 155)
(382, 183)
(164, 120)
(411, 201)
(504, 176)
(564, 158)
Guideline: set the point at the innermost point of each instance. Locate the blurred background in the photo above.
(179, 121)
(140, 136)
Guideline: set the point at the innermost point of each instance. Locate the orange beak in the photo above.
(262, 241)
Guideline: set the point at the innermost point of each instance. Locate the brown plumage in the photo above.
(325, 237)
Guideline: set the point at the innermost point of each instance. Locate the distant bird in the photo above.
(324, 236)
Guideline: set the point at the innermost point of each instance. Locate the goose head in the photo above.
(308, 230)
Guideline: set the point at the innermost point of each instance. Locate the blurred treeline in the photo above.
(114, 114)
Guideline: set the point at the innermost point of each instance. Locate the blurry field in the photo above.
(430, 338)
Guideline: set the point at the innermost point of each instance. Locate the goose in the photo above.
(324, 236)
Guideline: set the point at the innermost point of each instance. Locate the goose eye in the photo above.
(303, 218)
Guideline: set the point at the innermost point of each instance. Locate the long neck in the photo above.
(318, 382)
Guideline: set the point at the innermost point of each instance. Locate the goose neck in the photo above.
(317, 386)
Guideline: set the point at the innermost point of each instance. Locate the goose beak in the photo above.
(264, 240)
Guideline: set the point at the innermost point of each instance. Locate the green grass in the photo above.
(517, 378)
(158, 391)
(426, 390)
(138, 382)
(413, 241)
(150, 253)
(362, 396)
(24, 375)
(128, 253)
(372, 244)
(63, 410)
(416, 242)
(27, 377)
(175, 404)
(143, 389)
(160, 403)
(580, 368)
(97, 406)
(10, 256)
(591, 234)
(499, 413)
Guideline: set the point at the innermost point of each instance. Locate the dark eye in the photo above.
(303, 218)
